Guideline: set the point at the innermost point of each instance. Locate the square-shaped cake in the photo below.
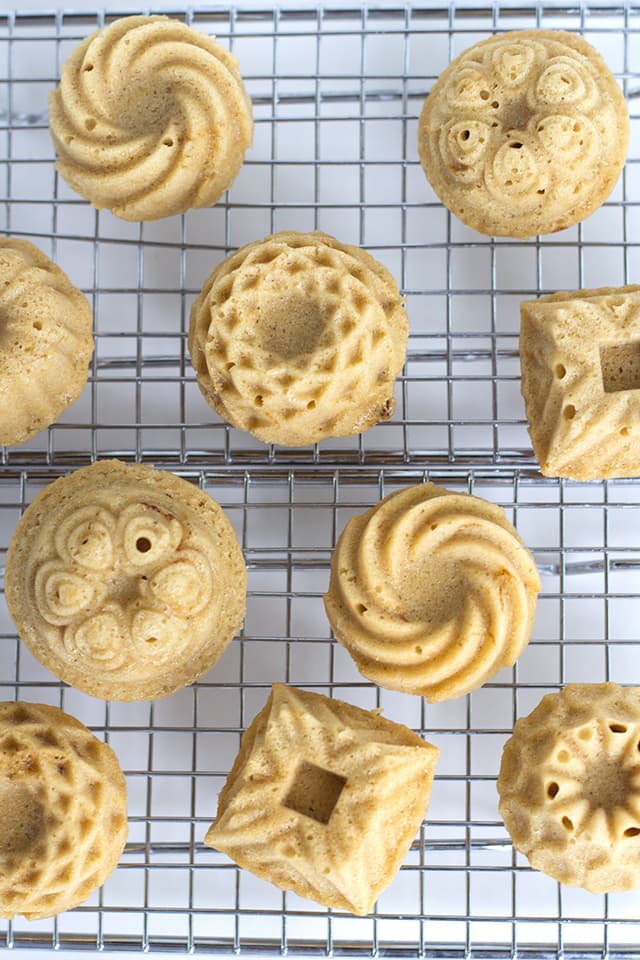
(580, 358)
(324, 798)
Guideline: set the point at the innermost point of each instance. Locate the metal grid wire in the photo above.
(336, 94)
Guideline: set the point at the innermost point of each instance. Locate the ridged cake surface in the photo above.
(64, 811)
(125, 581)
(150, 118)
(569, 786)
(46, 341)
(298, 337)
(432, 592)
(324, 798)
(524, 133)
(580, 360)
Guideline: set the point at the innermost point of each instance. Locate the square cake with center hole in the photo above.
(580, 358)
(324, 798)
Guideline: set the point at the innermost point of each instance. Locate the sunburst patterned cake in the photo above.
(569, 786)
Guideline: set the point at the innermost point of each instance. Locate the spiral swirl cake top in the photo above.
(569, 786)
(299, 337)
(46, 341)
(524, 133)
(151, 118)
(126, 582)
(64, 811)
(432, 592)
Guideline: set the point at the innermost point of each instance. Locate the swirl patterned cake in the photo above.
(46, 341)
(150, 118)
(524, 133)
(580, 359)
(324, 798)
(64, 811)
(124, 581)
(569, 786)
(298, 337)
(432, 592)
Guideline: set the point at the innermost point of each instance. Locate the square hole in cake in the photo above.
(314, 792)
(620, 365)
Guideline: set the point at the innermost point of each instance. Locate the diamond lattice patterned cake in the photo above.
(324, 798)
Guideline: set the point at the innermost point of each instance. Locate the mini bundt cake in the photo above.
(126, 582)
(324, 798)
(432, 592)
(64, 811)
(580, 359)
(524, 133)
(46, 341)
(298, 337)
(151, 118)
(569, 786)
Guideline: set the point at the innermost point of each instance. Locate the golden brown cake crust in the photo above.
(46, 341)
(324, 798)
(569, 786)
(524, 133)
(64, 811)
(580, 361)
(299, 337)
(151, 118)
(432, 592)
(125, 581)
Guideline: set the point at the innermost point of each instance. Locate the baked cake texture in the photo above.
(524, 133)
(324, 798)
(298, 337)
(580, 360)
(150, 118)
(126, 582)
(64, 811)
(432, 592)
(569, 786)
(46, 341)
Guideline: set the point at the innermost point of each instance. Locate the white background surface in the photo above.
(478, 414)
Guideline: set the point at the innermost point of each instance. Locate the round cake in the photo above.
(151, 118)
(46, 341)
(432, 592)
(524, 133)
(569, 786)
(298, 337)
(64, 811)
(126, 582)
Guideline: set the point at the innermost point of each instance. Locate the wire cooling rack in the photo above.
(336, 91)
